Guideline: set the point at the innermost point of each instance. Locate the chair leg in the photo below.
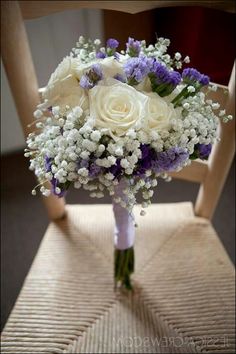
(55, 207)
(220, 161)
(22, 79)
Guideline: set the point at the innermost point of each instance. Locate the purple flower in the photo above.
(163, 81)
(120, 78)
(95, 72)
(83, 163)
(133, 47)
(112, 43)
(100, 55)
(137, 68)
(204, 80)
(145, 149)
(202, 151)
(192, 76)
(170, 160)
(160, 73)
(48, 164)
(90, 79)
(116, 169)
(159, 162)
(55, 183)
(174, 78)
(145, 163)
(94, 170)
(85, 82)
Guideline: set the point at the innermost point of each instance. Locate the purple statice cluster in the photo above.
(57, 188)
(91, 78)
(194, 81)
(112, 43)
(90, 165)
(192, 76)
(163, 81)
(136, 69)
(111, 46)
(116, 169)
(55, 184)
(120, 78)
(139, 66)
(201, 151)
(133, 47)
(95, 170)
(159, 162)
(170, 160)
(48, 164)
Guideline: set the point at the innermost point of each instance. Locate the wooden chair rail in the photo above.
(34, 9)
(196, 172)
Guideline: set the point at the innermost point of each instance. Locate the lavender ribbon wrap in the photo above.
(124, 233)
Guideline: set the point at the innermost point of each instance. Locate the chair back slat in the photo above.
(34, 9)
(196, 172)
(220, 160)
(18, 63)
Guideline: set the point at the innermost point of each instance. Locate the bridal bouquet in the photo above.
(113, 122)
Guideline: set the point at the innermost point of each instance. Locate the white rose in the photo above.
(65, 68)
(110, 67)
(116, 106)
(63, 88)
(82, 68)
(158, 113)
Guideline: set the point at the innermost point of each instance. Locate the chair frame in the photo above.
(21, 75)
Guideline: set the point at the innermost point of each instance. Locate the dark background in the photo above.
(207, 36)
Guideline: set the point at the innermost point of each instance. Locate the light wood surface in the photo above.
(22, 79)
(18, 63)
(196, 172)
(34, 9)
(219, 162)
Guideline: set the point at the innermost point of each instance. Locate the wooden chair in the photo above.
(184, 277)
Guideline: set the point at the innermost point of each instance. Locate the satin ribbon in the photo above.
(124, 233)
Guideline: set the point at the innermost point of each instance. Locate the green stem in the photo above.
(180, 95)
(124, 267)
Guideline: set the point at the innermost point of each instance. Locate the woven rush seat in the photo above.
(183, 300)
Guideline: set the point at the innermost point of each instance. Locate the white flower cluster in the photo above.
(92, 137)
(159, 51)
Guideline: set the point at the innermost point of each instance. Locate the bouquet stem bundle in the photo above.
(124, 236)
(124, 267)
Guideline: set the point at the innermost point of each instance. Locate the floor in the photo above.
(24, 220)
